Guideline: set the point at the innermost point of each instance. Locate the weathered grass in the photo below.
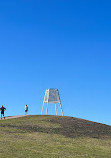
(54, 137)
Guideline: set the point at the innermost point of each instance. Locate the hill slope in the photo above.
(54, 137)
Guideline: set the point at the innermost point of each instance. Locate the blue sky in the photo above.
(56, 44)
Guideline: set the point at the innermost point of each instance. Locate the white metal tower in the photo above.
(52, 96)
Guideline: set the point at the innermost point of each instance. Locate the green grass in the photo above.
(54, 137)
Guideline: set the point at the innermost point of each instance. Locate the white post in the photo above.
(42, 108)
(47, 109)
(56, 109)
(61, 109)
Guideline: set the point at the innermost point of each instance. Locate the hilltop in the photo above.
(54, 137)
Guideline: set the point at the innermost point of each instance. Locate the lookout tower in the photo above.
(52, 96)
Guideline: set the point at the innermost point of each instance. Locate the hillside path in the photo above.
(13, 117)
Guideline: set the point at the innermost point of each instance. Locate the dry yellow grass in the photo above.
(54, 137)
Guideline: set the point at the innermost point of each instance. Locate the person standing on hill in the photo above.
(26, 109)
(2, 111)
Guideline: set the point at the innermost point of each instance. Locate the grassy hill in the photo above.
(54, 137)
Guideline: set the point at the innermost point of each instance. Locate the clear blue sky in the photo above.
(56, 44)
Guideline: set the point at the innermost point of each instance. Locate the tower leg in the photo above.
(47, 109)
(61, 109)
(56, 108)
(42, 108)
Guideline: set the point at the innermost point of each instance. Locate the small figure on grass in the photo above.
(26, 109)
(2, 109)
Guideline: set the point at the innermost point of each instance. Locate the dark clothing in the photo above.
(2, 110)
